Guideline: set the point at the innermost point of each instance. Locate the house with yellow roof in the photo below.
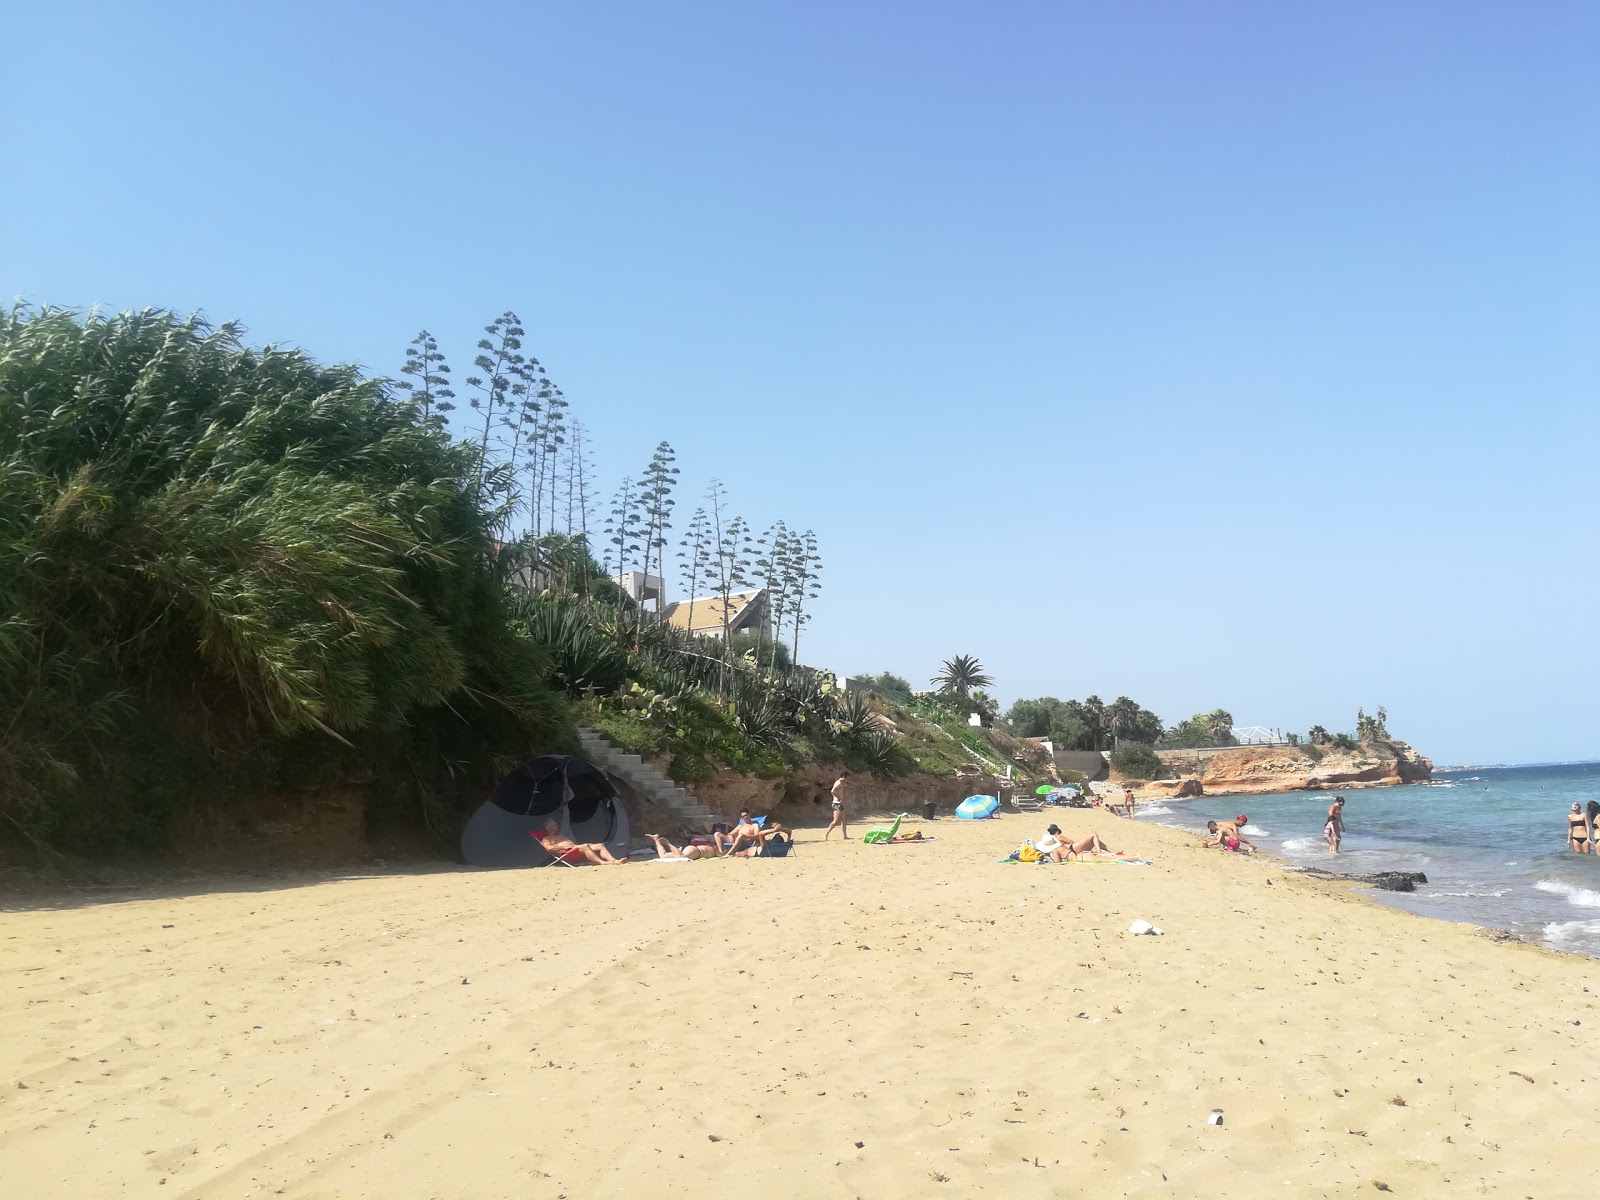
(748, 612)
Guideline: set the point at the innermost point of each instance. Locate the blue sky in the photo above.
(1215, 354)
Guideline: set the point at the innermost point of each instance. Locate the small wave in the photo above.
(1580, 896)
(1154, 810)
(1255, 831)
(1486, 895)
(1303, 845)
(1564, 933)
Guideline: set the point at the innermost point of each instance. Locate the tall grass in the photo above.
(263, 561)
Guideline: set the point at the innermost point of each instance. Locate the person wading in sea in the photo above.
(1577, 830)
(1333, 831)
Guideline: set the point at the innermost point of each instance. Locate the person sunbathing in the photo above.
(564, 847)
(746, 835)
(1088, 845)
(1052, 845)
(667, 852)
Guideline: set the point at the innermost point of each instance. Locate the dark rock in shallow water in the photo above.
(1389, 881)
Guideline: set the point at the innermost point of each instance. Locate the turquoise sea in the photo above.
(1491, 840)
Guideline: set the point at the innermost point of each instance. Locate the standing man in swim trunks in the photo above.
(838, 808)
(1333, 831)
(1577, 830)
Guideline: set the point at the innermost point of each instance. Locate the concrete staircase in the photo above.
(646, 781)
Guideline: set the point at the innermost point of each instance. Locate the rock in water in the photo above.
(1389, 881)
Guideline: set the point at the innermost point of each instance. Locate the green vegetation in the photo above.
(1369, 729)
(1214, 728)
(1136, 760)
(961, 675)
(224, 569)
(1083, 724)
(228, 573)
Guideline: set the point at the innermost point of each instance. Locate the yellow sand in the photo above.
(856, 1021)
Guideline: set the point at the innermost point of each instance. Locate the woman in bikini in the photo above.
(1577, 830)
(667, 852)
(1592, 818)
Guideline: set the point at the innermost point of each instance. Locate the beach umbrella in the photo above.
(1044, 789)
(976, 808)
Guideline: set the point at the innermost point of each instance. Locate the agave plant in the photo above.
(881, 752)
(856, 723)
(762, 720)
(583, 658)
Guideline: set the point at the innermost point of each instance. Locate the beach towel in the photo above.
(1107, 862)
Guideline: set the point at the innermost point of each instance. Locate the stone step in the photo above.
(649, 781)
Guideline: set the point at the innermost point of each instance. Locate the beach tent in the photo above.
(571, 790)
(976, 808)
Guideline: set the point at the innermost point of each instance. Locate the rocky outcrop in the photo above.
(1254, 770)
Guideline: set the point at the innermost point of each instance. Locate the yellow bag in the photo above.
(1028, 854)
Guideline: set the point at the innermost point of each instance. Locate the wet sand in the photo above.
(854, 1021)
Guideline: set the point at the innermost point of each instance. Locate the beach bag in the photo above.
(1028, 854)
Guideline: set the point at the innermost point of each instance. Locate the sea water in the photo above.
(1491, 840)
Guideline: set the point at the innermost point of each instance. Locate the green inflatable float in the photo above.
(879, 836)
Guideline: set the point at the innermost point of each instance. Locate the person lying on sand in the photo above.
(667, 852)
(594, 852)
(1050, 844)
(1226, 836)
(1057, 850)
(1088, 845)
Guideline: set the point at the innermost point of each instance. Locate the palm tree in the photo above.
(1093, 712)
(1219, 725)
(960, 675)
(1123, 715)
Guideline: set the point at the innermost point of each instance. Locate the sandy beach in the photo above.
(854, 1021)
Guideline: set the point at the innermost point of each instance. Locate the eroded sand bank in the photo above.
(737, 1028)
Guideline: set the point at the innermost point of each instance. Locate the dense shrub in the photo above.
(1136, 760)
(224, 568)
